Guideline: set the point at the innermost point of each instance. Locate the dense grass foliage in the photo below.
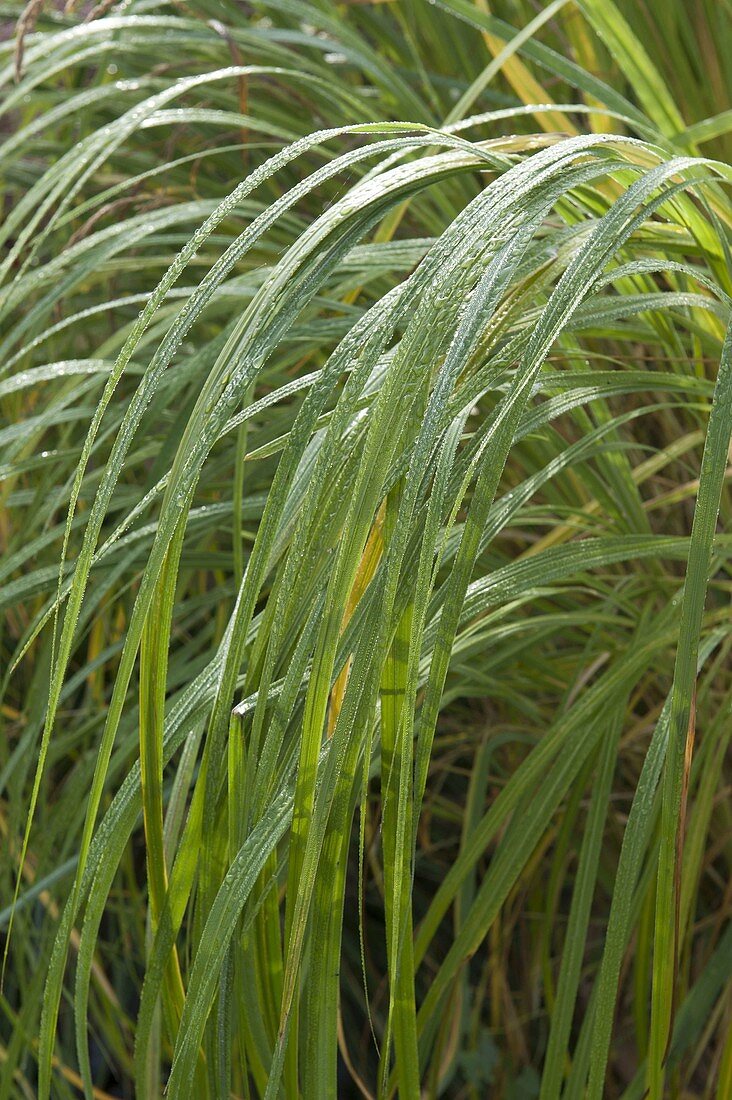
(365, 414)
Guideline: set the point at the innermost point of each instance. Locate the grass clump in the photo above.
(366, 407)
